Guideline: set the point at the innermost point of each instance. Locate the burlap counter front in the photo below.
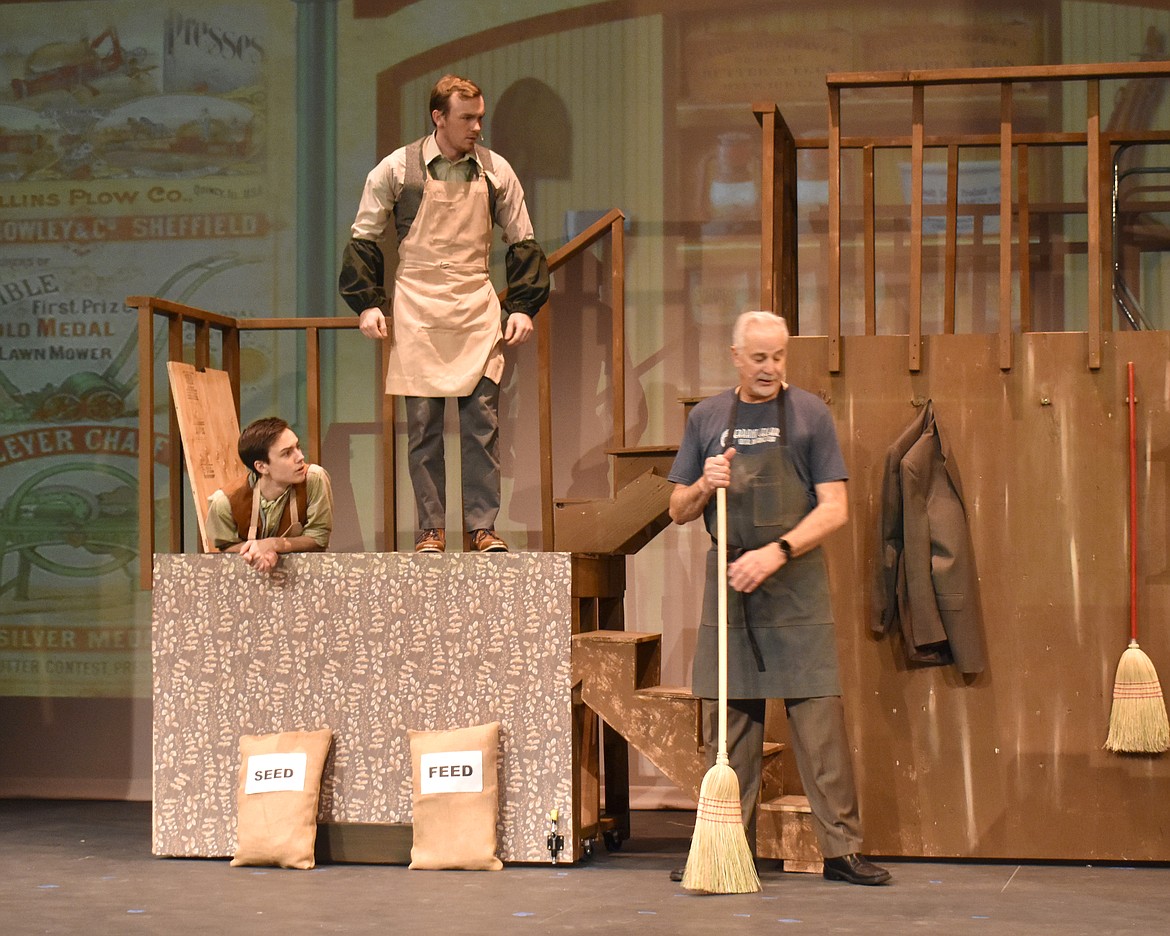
(370, 644)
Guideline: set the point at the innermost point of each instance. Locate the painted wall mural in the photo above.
(134, 159)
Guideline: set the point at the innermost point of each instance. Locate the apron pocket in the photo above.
(768, 508)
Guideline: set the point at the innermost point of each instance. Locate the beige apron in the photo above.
(445, 331)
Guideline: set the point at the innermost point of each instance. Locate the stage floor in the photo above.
(71, 867)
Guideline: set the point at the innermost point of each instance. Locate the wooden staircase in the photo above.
(616, 673)
(617, 676)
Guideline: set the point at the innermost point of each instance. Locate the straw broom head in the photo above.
(1137, 722)
(720, 860)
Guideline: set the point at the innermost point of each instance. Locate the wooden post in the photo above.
(145, 445)
(617, 262)
(313, 392)
(914, 341)
(833, 305)
(779, 284)
(1093, 208)
(869, 207)
(1005, 226)
(952, 245)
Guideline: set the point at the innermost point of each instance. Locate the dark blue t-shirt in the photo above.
(812, 439)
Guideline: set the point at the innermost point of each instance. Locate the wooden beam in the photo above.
(868, 200)
(544, 416)
(313, 392)
(1024, 237)
(145, 442)
(944, 76)
(1005, 226)
(175, 459)
(766, 117)
(833, 305)
(1093, 199)
(952, 240)
(914, 340)
(617, 264)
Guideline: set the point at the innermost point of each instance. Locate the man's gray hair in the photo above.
(755, 317)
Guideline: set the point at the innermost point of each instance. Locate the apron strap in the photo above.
(734, 552)
(254, 524)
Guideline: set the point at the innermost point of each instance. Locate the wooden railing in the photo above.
(1014, 243)
(177, 316)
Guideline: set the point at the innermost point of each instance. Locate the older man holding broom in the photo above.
(773, 449)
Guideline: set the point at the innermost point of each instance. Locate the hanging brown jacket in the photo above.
(928, 586)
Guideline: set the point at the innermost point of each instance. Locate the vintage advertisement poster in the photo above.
(134, 153)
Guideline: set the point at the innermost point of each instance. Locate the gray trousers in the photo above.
(816, 729)
(479, 438)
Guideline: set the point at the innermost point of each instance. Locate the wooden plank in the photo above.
(386, 407)
(177, 310)
(833, 306)
(175, 459)
(313, 392)
(942, 140)
(595, 232)
(1005, 226)
(766, 117)
(145, 442)
(870, 240)
(952, 239)
(544, 417)
(209, 429)
(918, 107)
(618, 328)
(941, 76)
(202, 344)
(1024, 237)
(630, 464)
(637, 513)
(1093, 207)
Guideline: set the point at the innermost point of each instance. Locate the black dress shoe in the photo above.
(677, 874)
(855, 869)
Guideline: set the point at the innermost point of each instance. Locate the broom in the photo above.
(720, 860)
(1137, 723)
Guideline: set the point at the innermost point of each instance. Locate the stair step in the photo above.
(668, 692)
(631, 462)
(786, 830)
(792, 803)
(621, 526)
(619, 677)
(616, 637)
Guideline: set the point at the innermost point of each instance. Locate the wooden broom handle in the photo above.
(1133, 516)
(721, 575)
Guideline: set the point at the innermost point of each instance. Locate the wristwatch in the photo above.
(786, 548)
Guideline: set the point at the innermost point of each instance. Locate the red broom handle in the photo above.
(1133, 527)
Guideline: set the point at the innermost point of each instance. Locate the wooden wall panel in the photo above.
(1009, 764)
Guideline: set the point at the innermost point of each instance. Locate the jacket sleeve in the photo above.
(528, 278)
(363, 270)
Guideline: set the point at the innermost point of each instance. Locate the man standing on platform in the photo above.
(775, 450)
(447, 333)
(283, 505)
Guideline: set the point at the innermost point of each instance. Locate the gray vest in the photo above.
(406, 208)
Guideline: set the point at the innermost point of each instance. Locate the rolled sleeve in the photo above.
(319, 507)
(380, 195)
(221, 525)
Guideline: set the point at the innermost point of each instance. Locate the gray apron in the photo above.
(780, 642)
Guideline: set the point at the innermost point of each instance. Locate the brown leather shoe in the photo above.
(487, 541)
(854, 869)
(430, 541)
